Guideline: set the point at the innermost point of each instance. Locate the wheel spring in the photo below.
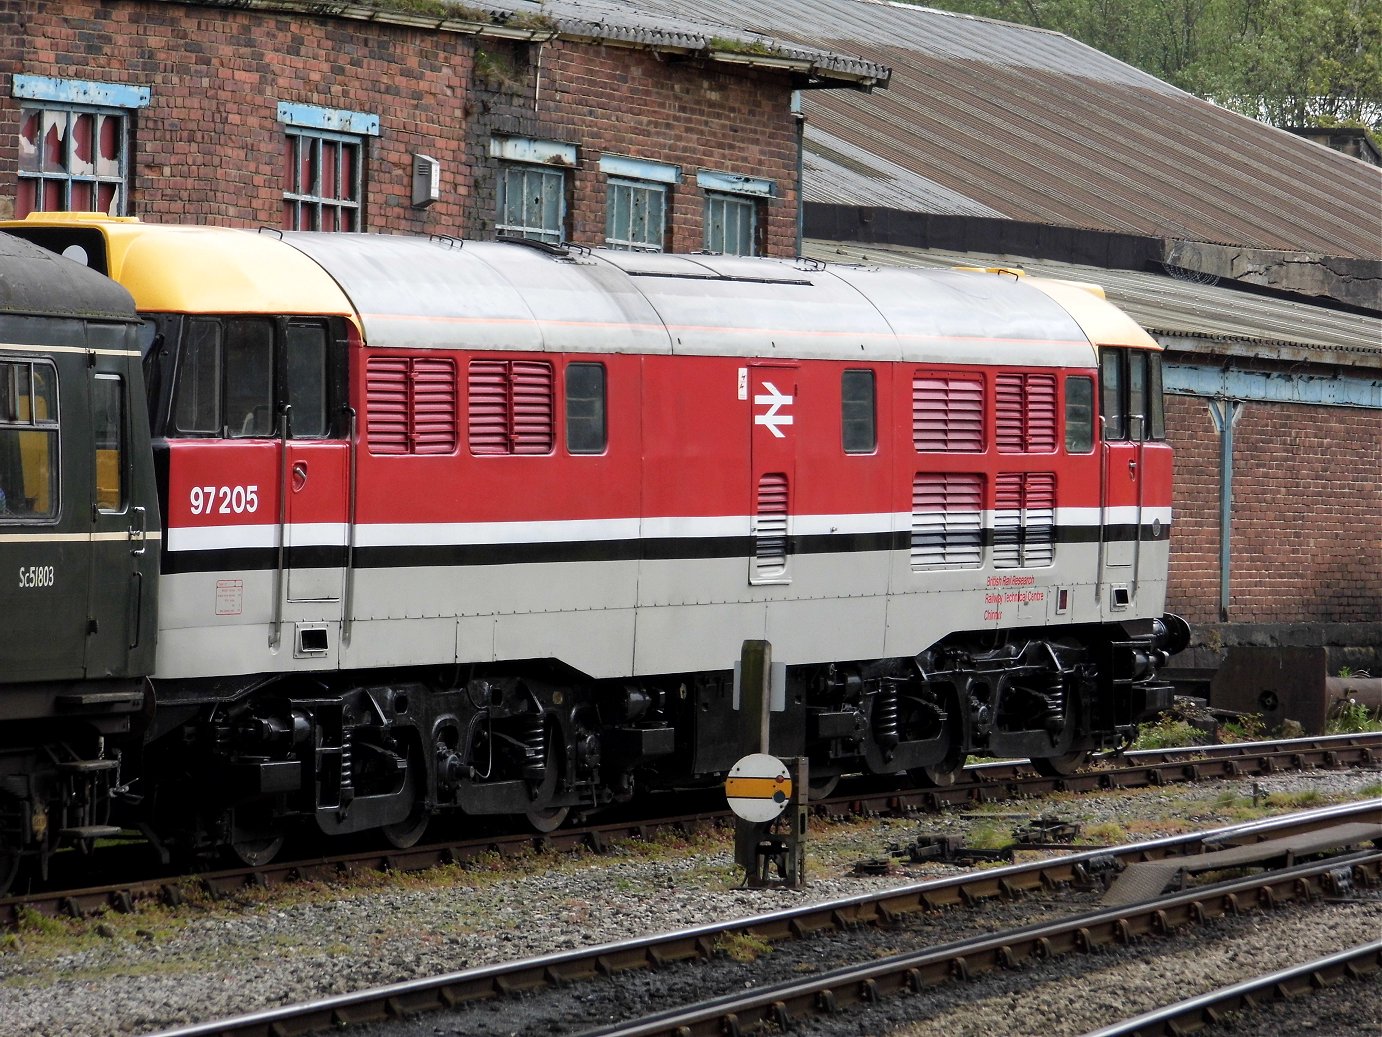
(532, 736)
(886, 715)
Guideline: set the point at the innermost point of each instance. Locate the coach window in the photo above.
(858, 412)
(585, 409)
(28, 441)
(1079, 415)
(74, 157)
(108, 434)
(1112, 407)
(734, 212)
(324, 167)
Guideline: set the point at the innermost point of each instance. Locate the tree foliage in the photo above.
(1288, 62)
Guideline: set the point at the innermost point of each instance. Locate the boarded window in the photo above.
(511, 407)
(1025, 413)
(770, 527)
(635, 214)
(1024, 520)
(72, 158)
(947, 520)
(532, 202)
(410, 405)
(948, 413)
(323, 180)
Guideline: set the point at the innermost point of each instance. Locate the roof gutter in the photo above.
(532, 33)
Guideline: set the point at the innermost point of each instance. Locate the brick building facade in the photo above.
(264, 113)
(1306, 511)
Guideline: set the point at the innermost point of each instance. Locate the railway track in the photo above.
(1208, 1010)
(1353, 832)
(983, 783)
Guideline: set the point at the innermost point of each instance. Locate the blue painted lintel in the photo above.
(80, 91)
(338, 120)
(1341, 389)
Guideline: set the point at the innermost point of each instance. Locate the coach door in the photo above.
(1123, 395)
(771, 390)
(124, 517)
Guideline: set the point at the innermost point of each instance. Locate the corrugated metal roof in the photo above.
(1173, 309)
(1035, 126)
(687, 27)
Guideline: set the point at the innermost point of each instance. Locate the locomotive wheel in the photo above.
(402, 835)
(1059, 766)
(254, 852)
(547, 819)
(820, 788)
(938, 775)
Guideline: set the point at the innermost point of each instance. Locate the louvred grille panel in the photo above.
(386, 405)
(948, 414)
(434, 406)
(947, 519)
(1025, 418)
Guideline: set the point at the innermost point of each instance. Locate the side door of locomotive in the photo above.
(124, 518)
(772, 393)
(314, 483)
(1123, 412)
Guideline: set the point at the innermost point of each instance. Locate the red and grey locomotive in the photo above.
(481, 527)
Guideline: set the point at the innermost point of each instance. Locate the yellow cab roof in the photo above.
(1103, 323)
(197, 269)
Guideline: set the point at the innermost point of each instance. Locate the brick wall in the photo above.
(1307, 514)
(209, 147)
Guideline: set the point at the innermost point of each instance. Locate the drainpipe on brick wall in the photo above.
(801, 163)
(1225, 413)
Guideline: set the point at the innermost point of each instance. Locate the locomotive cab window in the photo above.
(28, 441)
(1131, 400)
(858, 412)
(233, 373)
(585, 409)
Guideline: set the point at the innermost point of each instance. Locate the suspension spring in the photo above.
(532, 736)
(347, 764)
(886, 715)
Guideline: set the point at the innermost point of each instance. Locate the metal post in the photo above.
(755, 666)
(1225, 414)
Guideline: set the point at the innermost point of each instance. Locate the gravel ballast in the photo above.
(157, 969)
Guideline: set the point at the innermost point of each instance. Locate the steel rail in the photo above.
(1197, 1013)
(913, 972)
(878, 907)
(986, 783)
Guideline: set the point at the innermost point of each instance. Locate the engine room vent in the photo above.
(770, 527)
(948, 413)
(1024, 520)
(947, 520)
(1025, 416)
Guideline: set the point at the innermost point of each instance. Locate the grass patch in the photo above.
(1169, 733)
(742, 947)
(1353, 718)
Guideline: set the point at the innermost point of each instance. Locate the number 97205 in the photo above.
(223, 500)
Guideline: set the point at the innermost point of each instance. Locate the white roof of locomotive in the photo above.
(432, 293)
